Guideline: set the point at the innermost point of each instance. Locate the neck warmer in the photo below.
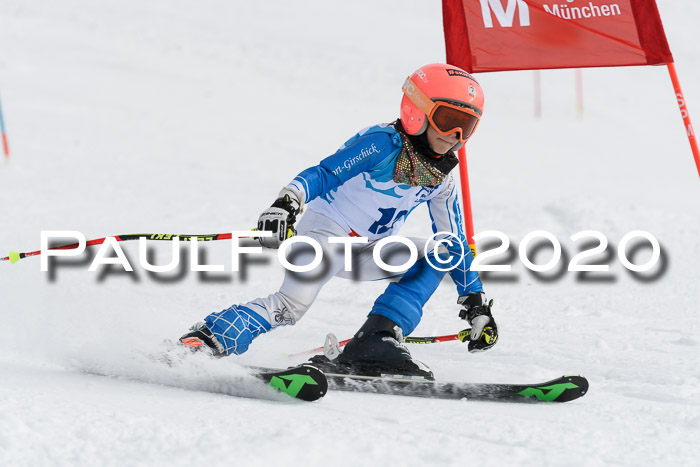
(418, 164)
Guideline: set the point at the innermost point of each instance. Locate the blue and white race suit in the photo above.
(353, 193)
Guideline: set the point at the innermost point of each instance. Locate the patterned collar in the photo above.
(416, 169)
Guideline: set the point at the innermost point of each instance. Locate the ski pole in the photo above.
(13, 257)
(460, 336)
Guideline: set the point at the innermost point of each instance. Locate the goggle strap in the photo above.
(417, 96)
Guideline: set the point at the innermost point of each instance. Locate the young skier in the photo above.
(367, 189)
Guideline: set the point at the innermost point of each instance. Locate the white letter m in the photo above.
(505, 17)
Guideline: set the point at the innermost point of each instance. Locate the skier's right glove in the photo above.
(477, 310)
(279, 219)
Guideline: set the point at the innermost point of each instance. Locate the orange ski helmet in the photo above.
(445, 96)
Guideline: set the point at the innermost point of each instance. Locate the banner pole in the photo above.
(466, 198)
(685, 114)
(579, 92)
(538, 95)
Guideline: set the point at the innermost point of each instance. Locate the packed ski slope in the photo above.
(187, 117)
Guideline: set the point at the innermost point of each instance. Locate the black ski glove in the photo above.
(477, 310)
(279, 219)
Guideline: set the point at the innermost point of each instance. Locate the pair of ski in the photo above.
(306, 382)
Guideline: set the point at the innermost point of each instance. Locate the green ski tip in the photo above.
(14, 257)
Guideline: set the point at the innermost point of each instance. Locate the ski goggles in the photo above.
(445, 117)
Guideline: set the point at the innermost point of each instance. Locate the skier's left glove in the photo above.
(279, 219)
(477, 310)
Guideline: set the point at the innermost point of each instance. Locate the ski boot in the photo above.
(375, 350)
(201, 339)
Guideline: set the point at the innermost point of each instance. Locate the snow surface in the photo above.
(187, 117)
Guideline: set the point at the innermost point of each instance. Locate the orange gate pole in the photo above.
(466, 198)
(685, 114)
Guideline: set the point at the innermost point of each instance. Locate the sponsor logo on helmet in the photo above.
(472, 90)
(454, 72)
(421, 74)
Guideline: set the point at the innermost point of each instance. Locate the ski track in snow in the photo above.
(167, 116)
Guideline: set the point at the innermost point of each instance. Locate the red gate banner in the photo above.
(499, 35)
